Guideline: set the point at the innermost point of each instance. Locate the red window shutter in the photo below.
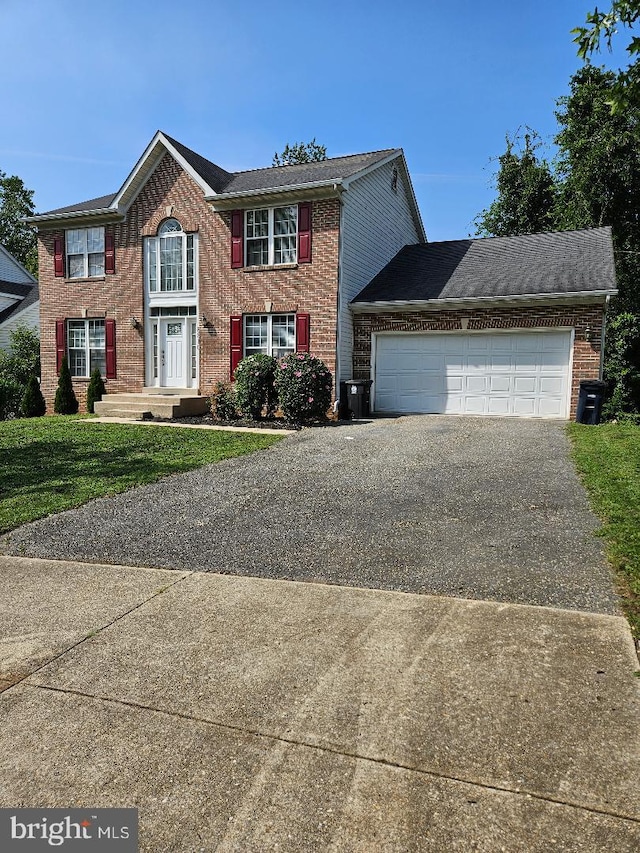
(302, 332)
(235, 328)
(109, 254)
(237, 239)
(61, 343)
(304, 232)
(58, 257)
(110, 347)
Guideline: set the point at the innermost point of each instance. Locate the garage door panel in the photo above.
(520, 374)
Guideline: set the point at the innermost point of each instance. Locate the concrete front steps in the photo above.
(180, 403)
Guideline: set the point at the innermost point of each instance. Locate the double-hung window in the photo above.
(171, 261)
(271, 236)
(86, 347)
(272, 334)
(85, 252)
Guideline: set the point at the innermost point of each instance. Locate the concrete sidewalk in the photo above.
(242, 714)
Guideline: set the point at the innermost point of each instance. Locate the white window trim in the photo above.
(87, 345)
(85, 253)
(270, 346)
(271, 252)
(153, 244)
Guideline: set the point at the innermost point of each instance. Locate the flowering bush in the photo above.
(223, 402)
(303, 384)
(254, 385)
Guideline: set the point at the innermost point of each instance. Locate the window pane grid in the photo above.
(272, 334)
(271, 236)
(85, 252)
(86, 347)
(171, 259)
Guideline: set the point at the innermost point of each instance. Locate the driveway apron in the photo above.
(464, 507)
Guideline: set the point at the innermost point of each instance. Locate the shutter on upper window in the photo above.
(302, 332)
(58, 257)
(237, 239)
(304, 232)
(109, 254)
(235, 330)
(110, 347)
(61, 343)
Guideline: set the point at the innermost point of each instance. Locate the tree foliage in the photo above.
(95, 390)
(16, 202)
(525, 191)
(601, 27)
(33, 404)
(17, 365)
(300, 152)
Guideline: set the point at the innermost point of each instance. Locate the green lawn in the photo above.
(608, 459)
(54, 463)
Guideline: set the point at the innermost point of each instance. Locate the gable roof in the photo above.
(552, 264)
(30, 293)
(220, 185)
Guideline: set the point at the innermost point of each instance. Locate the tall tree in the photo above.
(525, 201)
(300, 152)
(601, 28)
(598, 170)
(16, 202)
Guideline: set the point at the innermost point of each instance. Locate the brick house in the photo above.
(168, 283)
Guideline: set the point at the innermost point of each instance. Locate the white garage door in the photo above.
(518, 374)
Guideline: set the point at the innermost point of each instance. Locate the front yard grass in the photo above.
(51, 464)
(608, 460)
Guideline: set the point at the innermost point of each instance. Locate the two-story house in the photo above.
(168, 283)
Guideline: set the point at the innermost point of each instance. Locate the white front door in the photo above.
(173, 353)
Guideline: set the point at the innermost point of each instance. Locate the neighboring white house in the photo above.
(19, 299)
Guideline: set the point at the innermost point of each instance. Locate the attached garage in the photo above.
(516, 374)
(504, 326)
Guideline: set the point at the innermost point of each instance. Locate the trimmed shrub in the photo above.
(95, 390)
(223, 402)
(66, 402)
(10, 396)
(33, 404)
(255, 391)
(304, 386)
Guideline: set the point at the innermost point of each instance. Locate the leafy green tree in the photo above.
(17, 365)
(525, 202)
(33, 403)
(598, 171)
(601, 29)
(16, 202)
(300, 152)
(66, 402)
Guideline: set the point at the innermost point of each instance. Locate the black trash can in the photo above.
(590, 401)
(354, 398)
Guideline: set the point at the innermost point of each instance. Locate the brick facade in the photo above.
(586, 354)
(222, 292)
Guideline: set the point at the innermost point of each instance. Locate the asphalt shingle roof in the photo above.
(533, 264)
(271, 178)
(31, 295)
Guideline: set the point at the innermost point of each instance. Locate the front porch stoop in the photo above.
(159, 404)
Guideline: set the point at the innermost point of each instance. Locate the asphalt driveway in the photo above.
(464, 507)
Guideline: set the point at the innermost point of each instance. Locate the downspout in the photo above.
(338, 301)
(604, 329)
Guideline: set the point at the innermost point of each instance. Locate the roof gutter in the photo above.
(109, 212)
(476, 301)
(334, 185)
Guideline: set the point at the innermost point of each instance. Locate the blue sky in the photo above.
(86, 85)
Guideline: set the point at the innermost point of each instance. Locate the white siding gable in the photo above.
(30, 316)
(377, 221)
(12, 270)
